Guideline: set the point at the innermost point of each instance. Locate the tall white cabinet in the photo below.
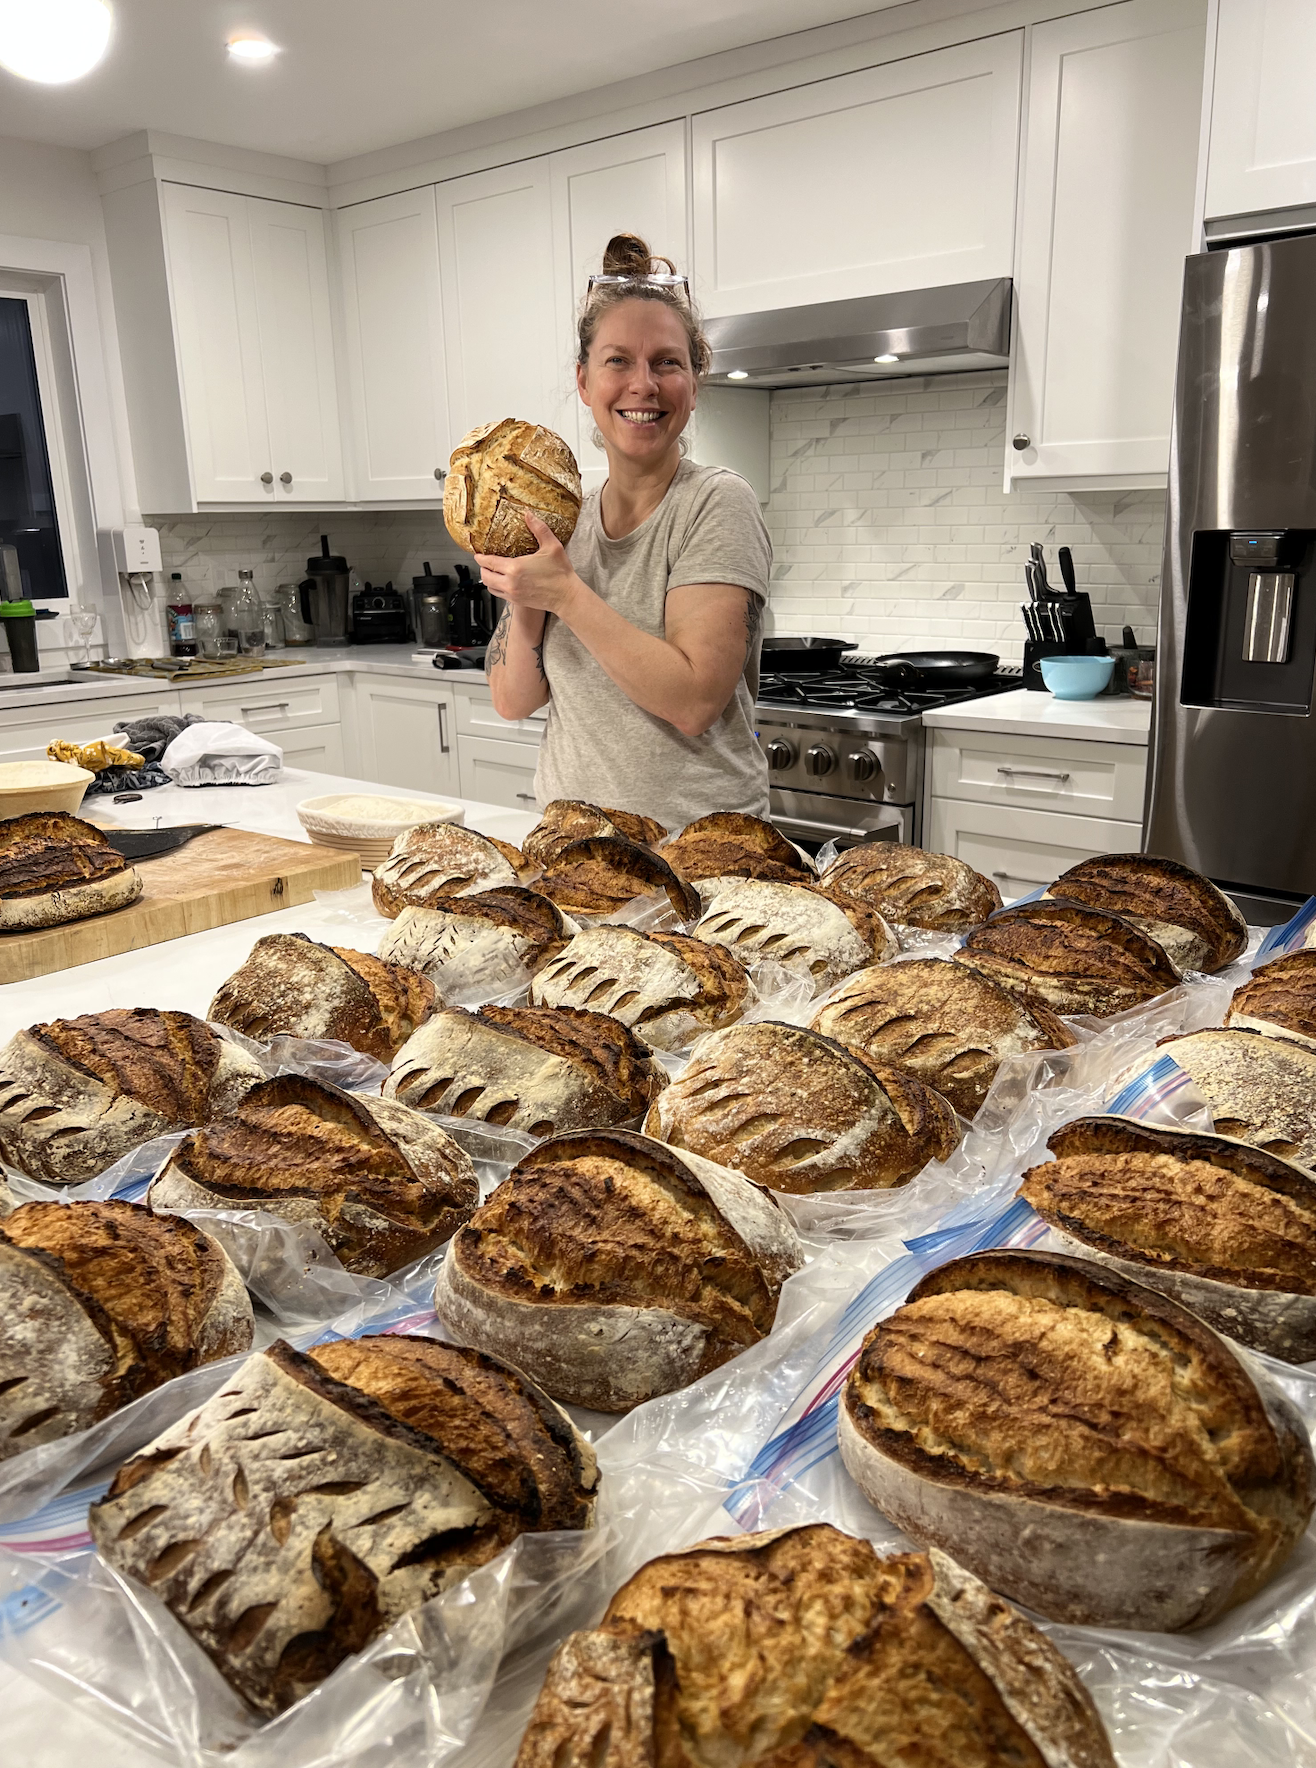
(1107, 188)
(1262, 153)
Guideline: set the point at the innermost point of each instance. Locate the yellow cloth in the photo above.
(93, 756)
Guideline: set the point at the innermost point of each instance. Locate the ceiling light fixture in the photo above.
(54, 42)
(737, 374)
(253, 49)
(889, 357)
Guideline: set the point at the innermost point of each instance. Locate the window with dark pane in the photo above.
(27, 499)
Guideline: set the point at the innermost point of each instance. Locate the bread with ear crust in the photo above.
(802, 1648)
(499, 469)
(1070, 958)
(504, 925)
(913, 886)
(56, 868)
(730, 844)
(433, 861)
(565, 820)
(292, 984)
(99, 1303)
(1279, 999)
(667, 986)
(819, 934)
(602, 873)
(1185, 913)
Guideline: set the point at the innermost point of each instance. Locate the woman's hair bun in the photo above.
(626, 254)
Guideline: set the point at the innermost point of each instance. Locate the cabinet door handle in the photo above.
(529, 797)
(1020, 442)
(250, 711)
(285, 478)
(443, 730)
(439, 473)
(267, 478)
(1035, 773)
(1009, 878)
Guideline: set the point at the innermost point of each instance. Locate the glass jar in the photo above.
(296, 631)
(247, 616)
(273, 628)
(208, 618)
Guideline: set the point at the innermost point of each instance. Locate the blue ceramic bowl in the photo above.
(1076, 678)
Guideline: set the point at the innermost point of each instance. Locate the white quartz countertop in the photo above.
(1024, 713)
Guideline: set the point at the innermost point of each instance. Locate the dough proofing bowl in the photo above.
(368, 826)
(26, 786)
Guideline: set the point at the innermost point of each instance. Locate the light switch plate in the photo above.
(137, 548)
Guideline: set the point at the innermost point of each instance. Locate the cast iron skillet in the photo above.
(802, 656)
(938, 669)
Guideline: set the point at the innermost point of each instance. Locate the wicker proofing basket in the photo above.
(41, 785)
(341, 820)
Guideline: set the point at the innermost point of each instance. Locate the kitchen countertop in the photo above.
(1023, 713)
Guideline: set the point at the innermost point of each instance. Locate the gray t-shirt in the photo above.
(599, 745)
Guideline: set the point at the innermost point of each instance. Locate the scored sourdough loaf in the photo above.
(817, 933)
(432, 861)
(1259, 1089)
(1084, 1445)
(56, 868)
(601, 874)
(797, 1112)
(291, 984)
(565, 820)
(913, 886)
(101, 1302)
(500, 469)
(802, 1648)
(536, 1069)
(76, 1094)
(468, 940)
(1226, 1229)
(318, 1498)
(731, 844)
(1279, 999)
(1182, 911)
(380, 1182)
(943, 1022)
(611, 1268)
(668, 986)
(1069, 958)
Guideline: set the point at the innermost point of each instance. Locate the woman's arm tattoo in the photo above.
(497, 652)
(539, 658)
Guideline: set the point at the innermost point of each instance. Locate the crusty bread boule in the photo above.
(500, 469)
(669, 986)
(819, 934)
(1070, 958)
(1185, 913)
(602, 873)
(433, 861)
(731, 844)
(1279, 998)
(1259, 1089)
(457, 939)
(913, 886)
(565, 820)
(56, 868)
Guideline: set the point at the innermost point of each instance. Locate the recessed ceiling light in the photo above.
(251, 49)
(56, 41)
(737, 374)
(890, 357)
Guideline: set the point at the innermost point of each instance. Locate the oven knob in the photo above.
(863, 765)
(779, 754)
(819, 760)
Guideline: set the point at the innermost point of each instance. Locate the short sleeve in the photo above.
(725, 539)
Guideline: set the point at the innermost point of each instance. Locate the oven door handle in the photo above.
(831, 831)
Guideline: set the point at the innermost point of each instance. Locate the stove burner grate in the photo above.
(851, 690)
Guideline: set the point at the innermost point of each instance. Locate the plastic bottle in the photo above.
(182, 624)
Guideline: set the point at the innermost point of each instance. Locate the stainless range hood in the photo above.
(916, 331)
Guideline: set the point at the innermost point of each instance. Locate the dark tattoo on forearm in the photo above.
(753, 620)
(497, 652)
(539, 659)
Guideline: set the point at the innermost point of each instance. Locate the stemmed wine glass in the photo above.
(84, 624)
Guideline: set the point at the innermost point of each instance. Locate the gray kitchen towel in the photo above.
(150, 737)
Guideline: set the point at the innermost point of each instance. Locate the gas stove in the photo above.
(845, 751)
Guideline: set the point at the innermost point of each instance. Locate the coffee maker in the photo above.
(470, 611)
(324, 595)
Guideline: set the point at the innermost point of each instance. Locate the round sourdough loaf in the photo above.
(1279, 999)
(500, 469)
(319, 1498)
(668, 986)
(1259, 1089)
(1185, 913)
(433, 861)
(379, 1181)
(943, 1022)
(101, 1302)
(1069, 958)
(601, 874)
(77, 1094)
(565, 820)
(803, 1649)
(797, 1112)
(612, 1269)
(914, 887)
(56, 868)
(1228, 1230)
(536, 1069)
(817, 933)
(730, 844)
(464, 940)
(1082, 1444)
(292, 984)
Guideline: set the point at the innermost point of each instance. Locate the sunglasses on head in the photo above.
(659, 280)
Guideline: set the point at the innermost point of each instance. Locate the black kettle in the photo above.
(470, 611)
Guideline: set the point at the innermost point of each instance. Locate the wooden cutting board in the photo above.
(222, 876)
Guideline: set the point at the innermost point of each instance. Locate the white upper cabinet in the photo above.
(504, 354)
(632, 183)
(393, 335)
(1106, 219)
(898, 177)
(1263, 124)
(250, 303)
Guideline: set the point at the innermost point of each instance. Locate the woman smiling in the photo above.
(642, 634)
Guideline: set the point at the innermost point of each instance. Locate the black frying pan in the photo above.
(802, 656)
(938, 669)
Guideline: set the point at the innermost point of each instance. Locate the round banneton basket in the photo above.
(367, 825)
(26, 786)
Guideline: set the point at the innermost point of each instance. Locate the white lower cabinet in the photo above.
(318, 749)
(1020, 849)
(270, 704)
(495, 771)
(25, 732)
(404, 734)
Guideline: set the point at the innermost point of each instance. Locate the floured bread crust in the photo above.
(1185, 913)
(797, 1112)
(801, 1648)
(731, 844)
(667, 986)
(76, 1094)
(536, 1069)
(292, 984)
(1082, 1443)
(99, 1303)
(943, 1022)
(431, 861)
(1069, 958)
(318, 1498)
(565, 820)
(1279, 999)
(601, 874)
(56, 868)
(913, 886)
(612, 1269)
(505, 924)
(499, 469)
(818, 933)
(1259, 1089)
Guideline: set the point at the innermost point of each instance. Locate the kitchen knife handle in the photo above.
(1067, 570)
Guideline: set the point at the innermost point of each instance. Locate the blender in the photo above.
(324, 595)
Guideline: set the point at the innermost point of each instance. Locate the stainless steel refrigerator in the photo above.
(1232, 787)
